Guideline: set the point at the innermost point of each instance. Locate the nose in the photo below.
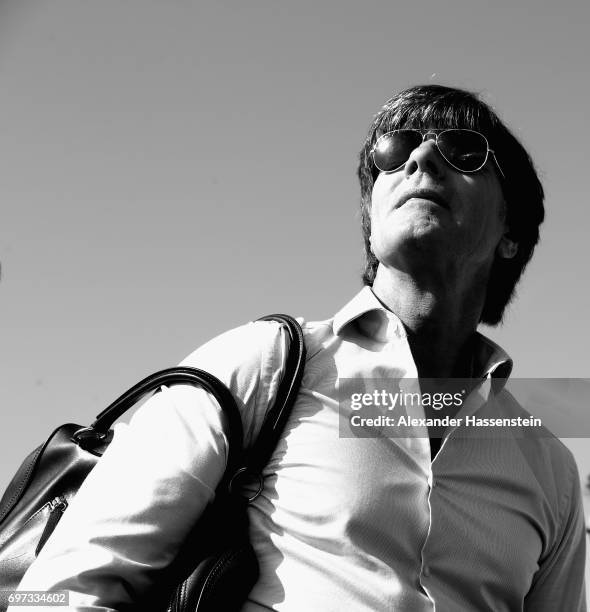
(425, 158)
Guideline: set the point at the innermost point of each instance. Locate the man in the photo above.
(451, 207)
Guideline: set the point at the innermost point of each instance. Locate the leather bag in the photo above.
(216, 568)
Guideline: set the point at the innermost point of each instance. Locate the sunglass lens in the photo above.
(393, 149)
(464, 149)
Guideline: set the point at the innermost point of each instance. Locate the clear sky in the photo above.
(172, 169)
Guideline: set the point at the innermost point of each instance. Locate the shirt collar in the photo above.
(376, 321)
(363, 302)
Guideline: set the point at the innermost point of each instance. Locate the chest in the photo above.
(475, 512)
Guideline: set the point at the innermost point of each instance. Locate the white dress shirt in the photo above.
(344, 523)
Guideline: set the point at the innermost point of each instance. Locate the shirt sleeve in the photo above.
(133, 511)
(559, 582)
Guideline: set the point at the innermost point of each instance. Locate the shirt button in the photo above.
(426, 571)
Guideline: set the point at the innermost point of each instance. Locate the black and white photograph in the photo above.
(294, 306)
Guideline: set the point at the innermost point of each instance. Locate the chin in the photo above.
(416, 241)
(423, 228)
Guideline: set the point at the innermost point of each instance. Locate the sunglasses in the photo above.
(464, 150)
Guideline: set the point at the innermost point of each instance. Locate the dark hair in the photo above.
(426, 106)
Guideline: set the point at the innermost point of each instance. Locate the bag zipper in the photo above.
(57, 507)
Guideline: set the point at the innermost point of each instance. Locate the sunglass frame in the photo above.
(437, 133)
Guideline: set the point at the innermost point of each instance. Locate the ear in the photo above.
(507, 248)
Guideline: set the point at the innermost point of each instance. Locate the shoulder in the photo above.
(238, 349)
(550, 461)
(550, 444)
(247, 359)
(250, 360)
(243, 347)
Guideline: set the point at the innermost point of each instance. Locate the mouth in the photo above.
(424, 194)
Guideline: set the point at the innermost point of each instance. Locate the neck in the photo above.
(440, 318)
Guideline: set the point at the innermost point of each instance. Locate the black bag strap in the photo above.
(273, 425)
(238, 463)
(87, 437)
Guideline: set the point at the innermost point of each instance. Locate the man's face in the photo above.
(428, 211)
